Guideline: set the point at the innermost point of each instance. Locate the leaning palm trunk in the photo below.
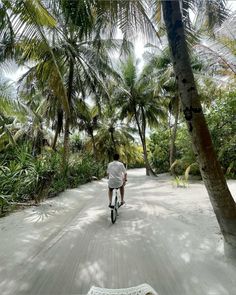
(220, 196)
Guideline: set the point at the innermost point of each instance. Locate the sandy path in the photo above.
(164, 236)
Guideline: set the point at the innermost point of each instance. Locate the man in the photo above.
(117, 178)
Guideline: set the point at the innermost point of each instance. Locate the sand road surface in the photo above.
(166, 237)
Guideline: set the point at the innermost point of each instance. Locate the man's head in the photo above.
(116, 157)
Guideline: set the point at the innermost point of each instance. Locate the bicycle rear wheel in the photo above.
(114, 212)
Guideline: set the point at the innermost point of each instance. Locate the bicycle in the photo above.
(115, 205)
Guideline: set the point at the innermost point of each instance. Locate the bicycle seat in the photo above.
(143, 289)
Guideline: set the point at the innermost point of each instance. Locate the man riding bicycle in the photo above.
(117, 178)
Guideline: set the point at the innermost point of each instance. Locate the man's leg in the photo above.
(110, 194)
(122, 193)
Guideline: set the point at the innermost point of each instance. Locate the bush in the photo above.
(222, 124)
(24, 177)
(159, 150)
(82, 169)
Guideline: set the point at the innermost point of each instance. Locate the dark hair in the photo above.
(116, 157)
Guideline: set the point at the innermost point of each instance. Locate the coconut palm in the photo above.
(112, 135)
(177, 23)
(220, 196)
(82, 61)
(88, 117)
(159, 67)
(139, 102)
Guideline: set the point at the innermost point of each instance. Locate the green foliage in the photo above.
(76, 143)
(82, 169)
(222, 124)
(133, 157)
(180, 181)
(220, 116)
(184, 155)
(159, 150)
(24, 177)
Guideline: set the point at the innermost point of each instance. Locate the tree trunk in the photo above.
(142, 131)
(173, 135)
(149, 170)
(94, 146)
(58, 128)
(38, 141)
(213, 177)
(67, 118)
(112, 130)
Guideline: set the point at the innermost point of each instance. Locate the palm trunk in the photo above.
(112, 130)
(58, 128)
(67, 118)
(142, 131)
(213, 177)
(38, 141)
(173, 136)
(55, 139)
(94, 146)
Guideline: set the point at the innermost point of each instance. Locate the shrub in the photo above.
(24, 177)
(159, 150)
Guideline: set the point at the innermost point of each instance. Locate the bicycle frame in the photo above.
(114, 197)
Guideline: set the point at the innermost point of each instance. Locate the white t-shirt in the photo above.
(116, 171)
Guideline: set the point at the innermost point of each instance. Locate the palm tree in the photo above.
(223, 204)
(139, 103)
(88, 120)
(220, 196)
(160, 69)
(21, 118)
(79, 56)
(112, 135)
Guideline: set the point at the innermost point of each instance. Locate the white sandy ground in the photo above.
(165, 236)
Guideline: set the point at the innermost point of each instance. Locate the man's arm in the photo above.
(125, 173)
(108, 170)
(125, 178)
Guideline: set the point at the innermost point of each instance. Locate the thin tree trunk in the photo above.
(141, 131)
(58, 128)
(112, 130)
(94, 146)
(55, 139)
(38, 141)
(67, 118)
(173, 136)
(213, 177)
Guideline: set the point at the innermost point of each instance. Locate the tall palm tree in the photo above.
(81, 57)
(160, 69)
(222, 201)
(177, 23)
(139, 103)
